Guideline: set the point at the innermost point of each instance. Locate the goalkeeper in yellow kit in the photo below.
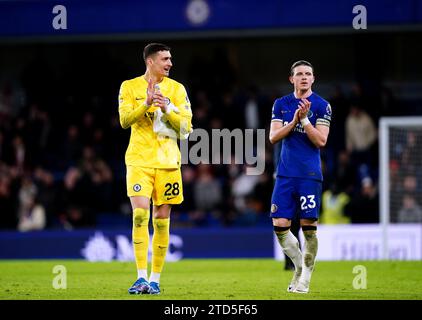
(158, 111)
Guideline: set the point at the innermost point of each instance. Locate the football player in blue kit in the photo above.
(301, 120)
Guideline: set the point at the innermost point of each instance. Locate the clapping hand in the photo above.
(150, 92)
(159, 100)
(304, 107)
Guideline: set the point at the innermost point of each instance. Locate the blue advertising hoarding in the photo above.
(336, 242)
(107, 245)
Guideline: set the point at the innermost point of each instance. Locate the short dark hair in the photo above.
(300, 63)
(153, 48)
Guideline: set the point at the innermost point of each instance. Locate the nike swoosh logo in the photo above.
(169, 198)
(138, 98)
(137, 242)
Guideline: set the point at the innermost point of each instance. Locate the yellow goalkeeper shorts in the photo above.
(164, 186)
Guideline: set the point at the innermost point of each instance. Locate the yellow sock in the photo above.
(160, 243)
(140, 237)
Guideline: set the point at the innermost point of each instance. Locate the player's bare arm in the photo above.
(278, 131)
(318, 134)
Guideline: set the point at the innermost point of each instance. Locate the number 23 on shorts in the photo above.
(307, 202)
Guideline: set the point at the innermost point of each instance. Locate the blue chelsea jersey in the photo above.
(299, 157)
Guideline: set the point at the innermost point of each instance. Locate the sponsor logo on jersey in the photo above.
(137, 187)
(298, 128)
(149, 115)
(310, 114)
(274, 208)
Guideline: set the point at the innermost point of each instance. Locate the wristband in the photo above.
(304, 121)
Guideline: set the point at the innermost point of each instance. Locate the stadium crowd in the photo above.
(62, 160)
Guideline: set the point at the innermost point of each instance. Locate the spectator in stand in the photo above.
(80, 195)
(18, 153)
(361, 135)
(364, 208)
(201, 112)
(187, 207)
(71, 148)
(411, 157)
(47, 193)
(254, 108)
(99, 175)
(38, 132)
(243, 188)
(229, 111)
(411, 211)
(32, 216)
(208, 193)
(31, 213)
(336, 142)
(333, 203)
(8, 200)
(345, 174)
(3, 147)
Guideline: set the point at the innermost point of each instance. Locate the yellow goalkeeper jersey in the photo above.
(147, 148)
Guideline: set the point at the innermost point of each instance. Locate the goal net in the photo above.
(400, 173)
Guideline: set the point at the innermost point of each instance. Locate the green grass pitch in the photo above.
(210, 279)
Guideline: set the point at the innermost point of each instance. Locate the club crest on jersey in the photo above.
(137, 188)
(329, 111)
(274, 208)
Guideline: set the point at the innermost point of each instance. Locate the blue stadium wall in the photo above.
(95, 17)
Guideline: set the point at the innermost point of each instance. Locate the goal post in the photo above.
(400, 147)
